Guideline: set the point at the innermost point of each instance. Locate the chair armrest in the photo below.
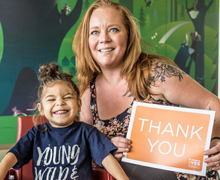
(101, 174)
(10, 172)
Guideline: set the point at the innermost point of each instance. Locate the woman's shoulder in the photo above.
(163, 70)
(164, 75)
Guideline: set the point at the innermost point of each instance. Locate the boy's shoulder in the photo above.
(88, 127)
(85, 125)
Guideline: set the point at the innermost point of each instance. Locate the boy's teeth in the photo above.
(60, 111)
(105, 50)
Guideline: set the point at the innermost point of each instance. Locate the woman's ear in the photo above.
(40, 109)
(79, 105)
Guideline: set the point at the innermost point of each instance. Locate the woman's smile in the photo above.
(106, 50)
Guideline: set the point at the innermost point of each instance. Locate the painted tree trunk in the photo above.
(197, 17)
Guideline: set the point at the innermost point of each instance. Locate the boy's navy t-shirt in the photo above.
(63, 153)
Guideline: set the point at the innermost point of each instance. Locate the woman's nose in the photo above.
(104, 37)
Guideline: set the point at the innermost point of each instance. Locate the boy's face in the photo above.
(59, 104)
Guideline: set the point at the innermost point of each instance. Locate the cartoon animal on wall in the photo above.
(185, 52)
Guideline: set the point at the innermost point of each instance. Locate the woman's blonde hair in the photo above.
(136, 64)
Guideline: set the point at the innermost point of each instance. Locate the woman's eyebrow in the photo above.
(93, 27)
(110, 25)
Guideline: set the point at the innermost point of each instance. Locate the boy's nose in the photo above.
(60, 102)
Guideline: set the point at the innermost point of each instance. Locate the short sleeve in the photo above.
(100, 146)
(23, 149)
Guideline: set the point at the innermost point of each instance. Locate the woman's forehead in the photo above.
(105, 14)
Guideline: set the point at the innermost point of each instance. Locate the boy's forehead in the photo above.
(58, 87)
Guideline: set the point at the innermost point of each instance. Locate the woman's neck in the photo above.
(111, 78)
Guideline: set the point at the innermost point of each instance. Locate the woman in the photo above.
(114, 70)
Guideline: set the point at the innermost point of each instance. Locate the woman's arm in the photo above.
(113, 167)
(85, 113)
(8, 161)
(172, 84)
(122, 144)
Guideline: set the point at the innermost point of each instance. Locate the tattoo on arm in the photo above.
(162, 70)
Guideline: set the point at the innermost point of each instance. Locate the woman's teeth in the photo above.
(106, 50)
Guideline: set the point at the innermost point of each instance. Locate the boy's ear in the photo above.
(40, 109)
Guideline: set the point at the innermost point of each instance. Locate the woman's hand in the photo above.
(122, 144)
(214, 155)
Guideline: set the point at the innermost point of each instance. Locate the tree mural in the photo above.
(142, 18)
(86, 5)
(215, 74)
(182, 14)
(197, 16)
(176, 10)
(171, 10)
(33, 37)
(128, 4)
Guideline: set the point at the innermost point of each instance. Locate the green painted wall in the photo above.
(8, 129)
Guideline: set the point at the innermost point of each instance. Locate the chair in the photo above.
(10, 172)
(101, 174)
(24, 123)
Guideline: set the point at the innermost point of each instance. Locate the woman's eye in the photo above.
(94, 32)
(114, 30)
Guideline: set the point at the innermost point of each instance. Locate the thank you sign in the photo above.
(170, 138)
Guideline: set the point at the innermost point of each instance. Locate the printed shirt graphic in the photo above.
(63, 153)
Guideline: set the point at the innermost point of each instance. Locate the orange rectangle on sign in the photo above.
(170, 138)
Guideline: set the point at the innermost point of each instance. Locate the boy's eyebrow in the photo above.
(63, 95)
(49, 96)
(69, 94)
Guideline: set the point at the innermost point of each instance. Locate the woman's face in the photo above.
(107, 37)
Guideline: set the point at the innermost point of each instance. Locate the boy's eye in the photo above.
(114, 30)
(94, 32)
(50, 99)
(69, 97)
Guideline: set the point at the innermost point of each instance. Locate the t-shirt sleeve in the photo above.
(23, 149)
(100, 146)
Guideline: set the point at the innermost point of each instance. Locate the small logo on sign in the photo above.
(193, 163)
